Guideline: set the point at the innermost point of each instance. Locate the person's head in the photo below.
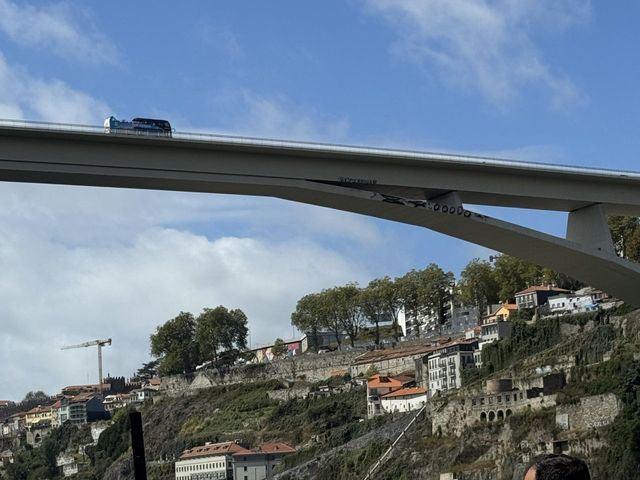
(558, 467)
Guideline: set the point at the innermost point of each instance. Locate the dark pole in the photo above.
(137, 445)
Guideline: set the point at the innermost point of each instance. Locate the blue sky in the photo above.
(545, 80)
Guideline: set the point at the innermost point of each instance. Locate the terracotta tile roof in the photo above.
(405, 392)
(381, 381)
(268, 449)
(155, 381)
(277, 448)
(5, 403)
(82, 397)
(39, 409)
(214, 450)
(542, 288)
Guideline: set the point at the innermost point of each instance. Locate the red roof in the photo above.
(39, 409)
(277, 448)
(380, 381)
(542, 288)
(82, 397)
(214, 450)
(405, 392)
(268, 449)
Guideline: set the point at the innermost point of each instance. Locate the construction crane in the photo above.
(100, 344)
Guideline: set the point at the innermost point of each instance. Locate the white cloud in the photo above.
(57, 27)
(23, 96)
(486, 46)
(82, 263)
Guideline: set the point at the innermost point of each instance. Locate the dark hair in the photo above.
(561, 467)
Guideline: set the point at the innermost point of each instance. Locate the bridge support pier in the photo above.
(588, 226)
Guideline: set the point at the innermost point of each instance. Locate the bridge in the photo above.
(424, 189)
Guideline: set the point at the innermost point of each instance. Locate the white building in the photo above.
(446, 363)
(404, 400)
(211, 461)
(572, 303)
(377, 386)
(260, 464)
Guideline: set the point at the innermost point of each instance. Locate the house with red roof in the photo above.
(537, 295)
(380, 387)
(404, 399)
(79, 409)
(211, 460)
(260, 463)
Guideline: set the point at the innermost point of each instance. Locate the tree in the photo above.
(309, 316)
(436, 287)
(221, 330)
(330, 311)
(390, 293)
(625, 233)
(513, 275)
(347, 305)
(478, 285)
(373, 303)
(174, 345)
(425, 292)
(35, 395)
(411, 298)
(279, 348)
(148, 370)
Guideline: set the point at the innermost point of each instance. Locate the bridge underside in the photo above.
(427, 195)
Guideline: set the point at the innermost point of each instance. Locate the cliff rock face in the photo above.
(120, 470)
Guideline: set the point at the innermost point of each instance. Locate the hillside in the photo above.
(599, 355)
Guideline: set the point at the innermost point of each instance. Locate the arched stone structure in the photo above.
(492, 416)
(500, 415)
(483, 416)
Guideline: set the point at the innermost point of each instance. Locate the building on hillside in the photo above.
(570, 303)
(445, 365)
(6, 404)
(460, 319)
(71, 390)
(263, 353)
(209, 461)
(537, 295)
(141, 395)
(12, 426)
(260, 463)
(501, 314)
(495, 327)
(389, 361)
(39, 414)
(455, 319)
(404, 400)
(82, 408)
(67, 464)
(377, 386)
(116, 401)
(598, 296)
(6, 458)
(473, 332)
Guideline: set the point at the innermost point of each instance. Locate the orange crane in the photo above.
(100, 344)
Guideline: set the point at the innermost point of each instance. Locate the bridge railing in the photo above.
(487, 161)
